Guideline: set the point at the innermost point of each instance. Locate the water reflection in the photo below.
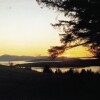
(13, 62)
(94, 69)
(64, 69)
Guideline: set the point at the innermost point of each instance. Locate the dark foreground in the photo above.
(19, 84)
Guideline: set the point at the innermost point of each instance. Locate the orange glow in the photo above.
(25, 30)
(78, 52)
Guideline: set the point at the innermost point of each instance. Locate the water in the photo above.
(40, 69)
(13, 62)
(94, 69)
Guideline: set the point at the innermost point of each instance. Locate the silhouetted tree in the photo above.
(83, 72)
(70, 71)
(11, 64)
(47, 70)
(58, 71)
(81, 27)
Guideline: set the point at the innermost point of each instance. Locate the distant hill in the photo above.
(23, 58)
(47, 58)
(15, 58)
(35, 58)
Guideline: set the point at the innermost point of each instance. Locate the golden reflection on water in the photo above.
(64, 69)
(92, 68)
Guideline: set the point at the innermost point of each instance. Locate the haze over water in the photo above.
(64, 69)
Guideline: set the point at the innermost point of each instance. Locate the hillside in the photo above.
(20, 84)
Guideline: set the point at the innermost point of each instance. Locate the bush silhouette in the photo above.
(47, 70)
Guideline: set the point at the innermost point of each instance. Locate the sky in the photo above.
(25, 29)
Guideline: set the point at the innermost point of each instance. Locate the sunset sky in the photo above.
(25, 29)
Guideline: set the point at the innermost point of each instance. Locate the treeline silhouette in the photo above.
(21, 84)
(71, 71)
(84, 85)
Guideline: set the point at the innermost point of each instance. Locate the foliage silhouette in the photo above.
(58, 71)
(83, 28)
(21, 84)
(47, 70)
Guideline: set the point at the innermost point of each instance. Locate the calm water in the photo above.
(14, 62)
(92, 68)
(40, 69)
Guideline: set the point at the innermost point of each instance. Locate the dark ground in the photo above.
(20, 84)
